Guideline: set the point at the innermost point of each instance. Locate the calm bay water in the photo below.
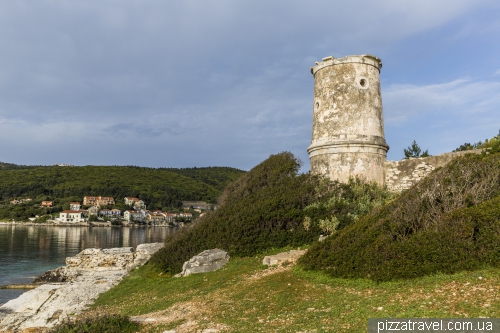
(29, 251)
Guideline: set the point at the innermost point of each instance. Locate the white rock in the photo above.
(90, 273)
(283, 257)
(206, 261)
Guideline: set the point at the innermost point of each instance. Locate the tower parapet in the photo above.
(348, 128)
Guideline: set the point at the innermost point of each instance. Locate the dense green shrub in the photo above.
(102, 324)
(341, 204)
(448, 222)
(264, 208)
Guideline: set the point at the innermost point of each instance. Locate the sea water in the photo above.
(28, 251)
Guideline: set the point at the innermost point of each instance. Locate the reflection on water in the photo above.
(28, 251)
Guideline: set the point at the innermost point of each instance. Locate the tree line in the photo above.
(158, 188)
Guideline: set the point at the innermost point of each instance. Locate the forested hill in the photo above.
(4, 165)
(157, 187)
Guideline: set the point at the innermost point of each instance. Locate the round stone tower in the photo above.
(348, 127)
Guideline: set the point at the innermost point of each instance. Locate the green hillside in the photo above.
(159, 188)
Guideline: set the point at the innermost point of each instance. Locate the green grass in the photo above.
(246, 296)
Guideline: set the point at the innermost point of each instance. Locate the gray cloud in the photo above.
(212, 82)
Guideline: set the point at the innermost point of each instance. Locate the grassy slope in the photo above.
(245, 296)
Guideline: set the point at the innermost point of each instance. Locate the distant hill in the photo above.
(157, 187)
(9, 166)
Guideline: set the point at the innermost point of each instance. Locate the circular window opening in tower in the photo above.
(316, 106)
(362, 82)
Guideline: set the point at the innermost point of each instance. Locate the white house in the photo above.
(74, 206)
(71, 216)
(131, 201)
(133, 215)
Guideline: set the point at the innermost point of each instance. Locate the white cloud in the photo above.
(440, 117)
(461, 97)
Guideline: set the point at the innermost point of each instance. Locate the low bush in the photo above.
(263, 209)
(448, 222)
(340, 204)
(102, 324)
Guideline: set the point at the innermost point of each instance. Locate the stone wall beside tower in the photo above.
(348, 127)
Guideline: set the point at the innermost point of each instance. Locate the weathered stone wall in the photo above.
(401, 175)
(348, 128)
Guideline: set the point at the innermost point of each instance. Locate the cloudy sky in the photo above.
(227, 83)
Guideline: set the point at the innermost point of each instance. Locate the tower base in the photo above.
(341, 160)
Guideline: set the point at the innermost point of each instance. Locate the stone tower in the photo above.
(348, 126)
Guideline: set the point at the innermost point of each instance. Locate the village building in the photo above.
(94, 210)
(105, 212)
(71, 216)
(74, 206)
(133, 216)
(47, 204)
(110, 212)
(98, 201)
(170, 217)
(20, 201)
(131, 201)
(186, 215)
(200, 205)
(156, 218)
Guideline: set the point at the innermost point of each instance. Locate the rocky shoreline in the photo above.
(67, 290)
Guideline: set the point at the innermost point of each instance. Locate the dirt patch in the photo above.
(267, 272)
(190, 313)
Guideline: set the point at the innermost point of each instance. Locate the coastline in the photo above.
(83, 224)
(29, 251)
(61, 293)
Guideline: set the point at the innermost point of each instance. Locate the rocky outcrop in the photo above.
(289, 257)
(206, 261)
(72, 288)
(60, 274)
(107, 259)
(144, 251)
